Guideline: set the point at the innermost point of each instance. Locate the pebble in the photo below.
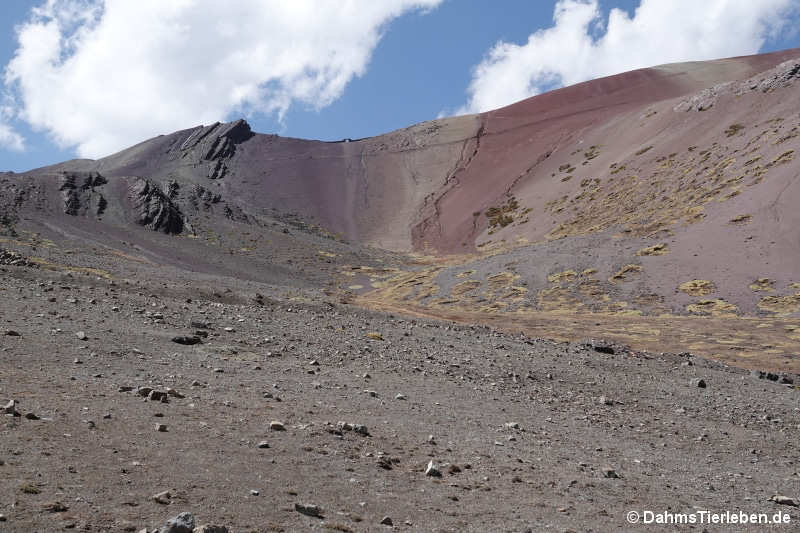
(698, 382)
(277, 426)
(610, 473)
(183, 523)
(263, 444)
(161, 428)
(605, 401)
(187, 340)
(10, 408)
(208, 528)
(400, 396)
(387, 521)
(12, 333)
(432, 470)
(254, 492)
(81, 335)
(308, 509)
(784, 500)
(163, 498)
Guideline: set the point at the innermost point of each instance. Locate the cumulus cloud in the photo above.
(582, 44)
(100, 75)
(9, 138)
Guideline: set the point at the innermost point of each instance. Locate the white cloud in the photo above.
(104, 74)
(582, 45)
(9, 138)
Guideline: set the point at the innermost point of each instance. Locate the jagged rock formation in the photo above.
(78, 191)
(215, 144)
(153, 208)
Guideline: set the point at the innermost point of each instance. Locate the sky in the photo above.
(86, 78)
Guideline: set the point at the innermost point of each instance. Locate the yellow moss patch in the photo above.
(588, 272)
(782, 305)
(656, 249)
(374, 335)
(763, 285)
(465, 274)
(697, 287)
(624, 272)
(562, 277)
(712, 307)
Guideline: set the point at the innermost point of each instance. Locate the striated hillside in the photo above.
(661, 193)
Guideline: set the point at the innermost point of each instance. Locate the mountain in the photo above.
(657, 194)
(561, 315)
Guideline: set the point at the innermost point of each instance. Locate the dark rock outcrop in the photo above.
(216, 144)
(153, 208)
(78, 191)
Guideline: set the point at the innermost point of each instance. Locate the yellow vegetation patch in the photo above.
(591, 288)
(500, 280)
(656, 249)
(558, 298)
(374, 335)
(44, 263)
(465, 274)
(326, 254)
(785, 157)
(624, 272)
(562, 277)
(697, 287)
(465, 286)
(763, 285)
(712, 307)
(782, 305)
(588, 272)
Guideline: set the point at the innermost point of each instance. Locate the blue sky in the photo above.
(449, 57)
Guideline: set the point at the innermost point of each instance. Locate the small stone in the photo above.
(183, 523)
(308, 509)
(32, 416)
(175, 394)
(610, 473)
(81, 335)
(158, 396)
(263, 444)
(432, 470)
(698, 382)
(2, 518)
(10, 408)
(602, 400)
(229, 330)
(254, 492)
(12, 333)
(162, 428)
(55, 507)
(511, 425)
(77, 361)
(219, 370)
(277, 426)
(400, 396)
(125, 388)
(187, 340)
(164, 498)
(144, 391)
(208, 528)
(107, 416)
(387, 521)
(784, 500)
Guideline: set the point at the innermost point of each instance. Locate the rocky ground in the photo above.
(277, 415)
